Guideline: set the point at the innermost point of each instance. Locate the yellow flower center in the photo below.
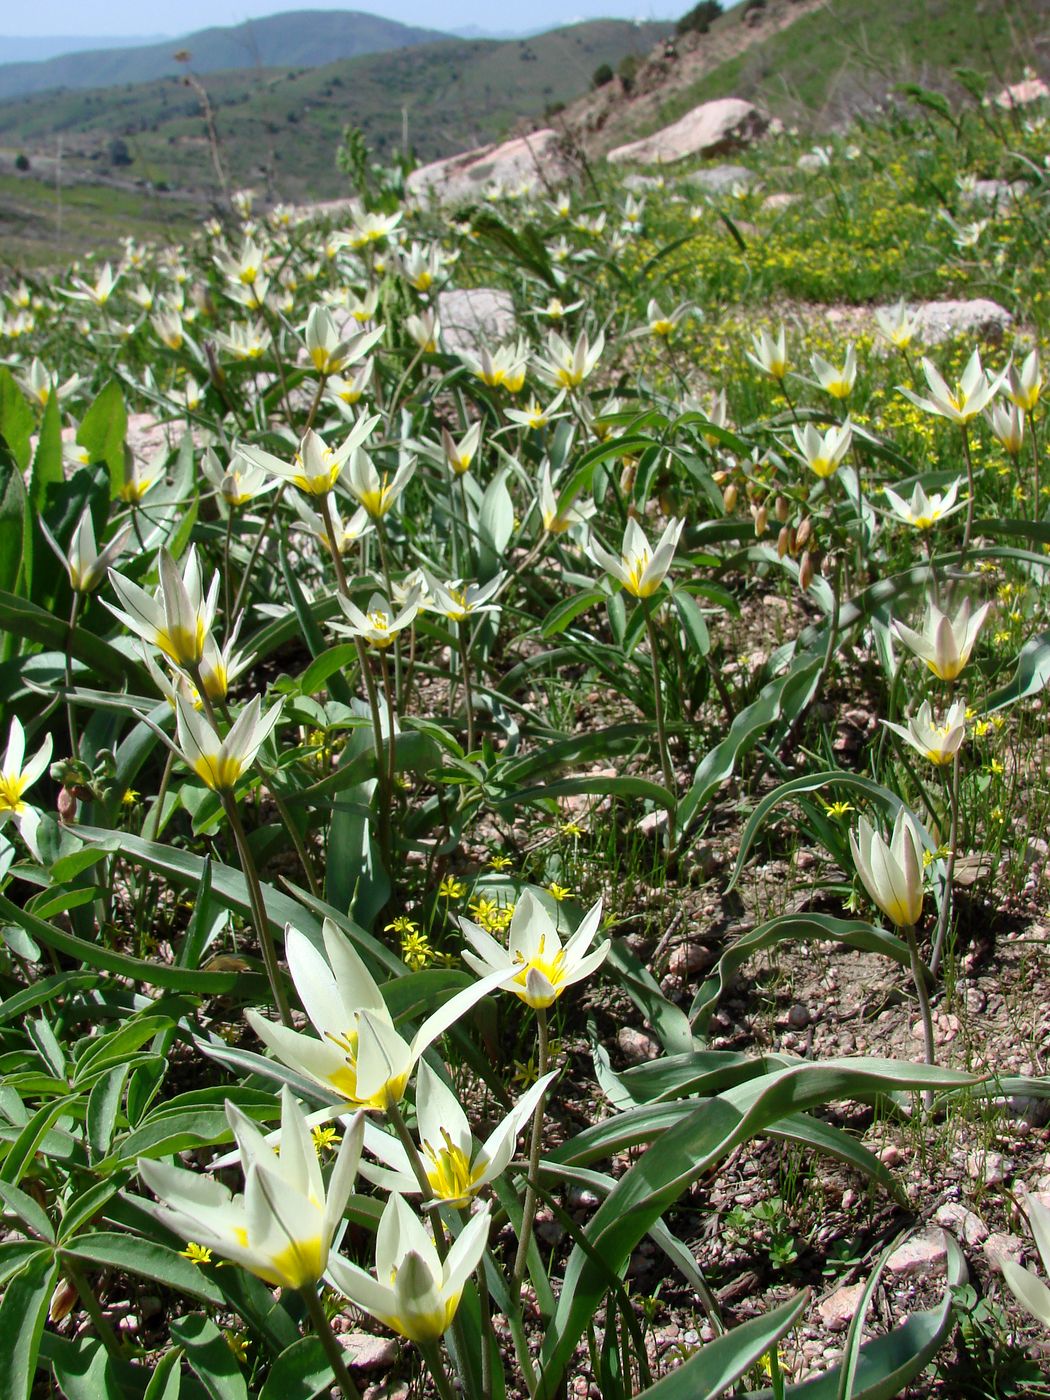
(220, 772)
(12, 785)
(636, 568)
(449, 1172)
(321, 482)
(344, 1079)
(553, 969)
(181, 645)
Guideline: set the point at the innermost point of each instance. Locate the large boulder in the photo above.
(720, 179)
(713, 128)
(537, 158)
(480, 316)
(978, 319)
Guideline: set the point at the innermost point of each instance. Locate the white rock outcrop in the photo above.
(713, 128)
(536, 158)
(476, 317)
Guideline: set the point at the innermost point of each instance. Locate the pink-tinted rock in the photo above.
(922, 1254)
(713, 128)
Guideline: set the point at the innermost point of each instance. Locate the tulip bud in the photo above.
(720, 477)
(780, 509)
(761, 520)
(805, 571)
(804, 532)
(729, 496)
(66, 804)
(783, 542)
(63, 1300)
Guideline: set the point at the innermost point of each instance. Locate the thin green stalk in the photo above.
(948, 898)
(258, 908)
(384, 561)
(658, 702)
(297, 841)
(74, 744)
(332, 1347)
(226, 563)
(970, 486)
(468, 694)
(436, 1367)
(315, 405)
(92, 1307)
(528, 1213)
(1035, 462)
(274, 330)
(919, 979)
(238, 602)
(790, 402)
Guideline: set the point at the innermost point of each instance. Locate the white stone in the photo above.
(480, 316)
(709, 129)
(979, 318)
(636, 1046)
(837, 1309)
(1021, 94)
(969, 1227)
(922, 1254)
(720, 179)
(368, 1353)
(537, 157)
(999, 1247)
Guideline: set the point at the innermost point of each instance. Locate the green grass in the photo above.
(842, 58)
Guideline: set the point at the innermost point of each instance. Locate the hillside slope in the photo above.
(303, 39)
(816, 62)
(279, 130)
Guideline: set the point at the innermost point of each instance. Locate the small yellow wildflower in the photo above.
(451, 888)
(416, 951)
(838, 809)
(500, 862)
(573, 829)
(325, 1137)
(238, 1342)
(996, 767)
(997, 814)
(131, 797)
(558, 892)
(196, 1253)
(402, 925)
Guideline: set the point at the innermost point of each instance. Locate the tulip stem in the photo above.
(74, 745)
(332, 1346)
(370, 690)
(918, 973)
(968, 529)
(528, 1211)
(435, 1366)
(1035, 462)
(264, 529)
(468, 694)
(661, 729)
(947, 899)
(258, 908)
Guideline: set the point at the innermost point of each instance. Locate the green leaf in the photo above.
(138, 970)
(14, 506)
(1031, 675)
(781, 700)
(166, 1381)
(668, 1021)
(812, 782)
(84, 1370)
(16, 419)
(29, 623)
(32, 1215)
(299, 1373)
(853, 933)
(103, 1106)
(147, 1259)
(887, 1364)
(24, 1148)
(103, 430)
(23, 1312)
(210, 1357)
(718, 1364)
(684, 1153)
(567, 611)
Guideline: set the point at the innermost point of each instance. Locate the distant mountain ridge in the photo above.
(303, 39)
(36, 48)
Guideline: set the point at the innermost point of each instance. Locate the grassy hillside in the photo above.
(279, 130)
(843, 58)
(303, 39)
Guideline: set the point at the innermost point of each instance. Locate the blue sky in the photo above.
(132, 17)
